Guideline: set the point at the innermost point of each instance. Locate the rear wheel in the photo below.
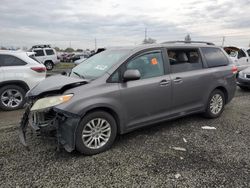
(11, 97)
(96, 133)
(49, 65)
(215, 104)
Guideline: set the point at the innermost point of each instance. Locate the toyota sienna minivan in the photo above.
(122, 89)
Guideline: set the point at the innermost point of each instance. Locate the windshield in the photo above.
(98, 64)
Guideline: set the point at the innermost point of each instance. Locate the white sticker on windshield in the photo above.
(101, 67)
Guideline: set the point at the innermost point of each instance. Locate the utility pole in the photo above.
(95, 45)
(146, 34)
(223, 41)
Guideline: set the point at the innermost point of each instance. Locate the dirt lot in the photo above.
(146, 158)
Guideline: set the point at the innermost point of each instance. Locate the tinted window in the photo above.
(33, 57)
(8, 60)
(248, 51)
(214, 57)
(39, 52)
(150, 65)
(50, 52)
(241, 54)
(182, 60)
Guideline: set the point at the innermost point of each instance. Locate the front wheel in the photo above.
(96, 133)
(215, 104)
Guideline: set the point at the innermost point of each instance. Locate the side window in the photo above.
(241, 54)
(39, 53)
(1, 60)
(150, 64)
(248, 51)
(114, 78)
(214, 57)
(182, 60)
(8, 60)
(49, 52)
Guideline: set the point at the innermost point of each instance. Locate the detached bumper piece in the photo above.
(60, 125)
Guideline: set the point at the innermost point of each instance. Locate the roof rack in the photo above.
(189, 42)
(41, 46)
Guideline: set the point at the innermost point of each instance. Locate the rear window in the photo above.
(214, 57)
(9, 60)
(49, 52)
(33, 57)
(39, 53)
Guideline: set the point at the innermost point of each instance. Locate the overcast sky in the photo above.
(122, 22)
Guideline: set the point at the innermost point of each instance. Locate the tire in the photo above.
(49, 65)
(12, 97)
(215, 110)
(88, 144)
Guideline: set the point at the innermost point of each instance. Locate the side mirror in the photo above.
(132, 74)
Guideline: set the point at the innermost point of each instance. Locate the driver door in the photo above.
(149, 98)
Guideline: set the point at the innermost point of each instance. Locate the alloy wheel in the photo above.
(96, 133)
(11, 98)
(216, 104)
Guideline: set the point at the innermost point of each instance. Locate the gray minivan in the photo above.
(122, 89)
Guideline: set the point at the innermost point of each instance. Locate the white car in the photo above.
(46, 55)
(239, 56)
(19, 72)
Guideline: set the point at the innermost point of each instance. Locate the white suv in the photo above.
(46, 55)
(19, 72)
(239, 56)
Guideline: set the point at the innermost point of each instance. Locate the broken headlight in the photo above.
(48, 102)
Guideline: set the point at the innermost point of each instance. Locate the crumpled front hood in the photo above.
(57, 84)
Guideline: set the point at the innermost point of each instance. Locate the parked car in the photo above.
(82, 59)
(243, 80)
(122, 89)
(46, 55)
(19, 72)
(239, 56)
(68, 57)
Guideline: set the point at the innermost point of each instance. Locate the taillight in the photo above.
(234, 69)
(38, 69)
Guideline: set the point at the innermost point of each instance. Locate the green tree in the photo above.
(69, 50)
(57, 49)
(79, 50)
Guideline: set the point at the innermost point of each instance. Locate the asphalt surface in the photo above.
(143, 158)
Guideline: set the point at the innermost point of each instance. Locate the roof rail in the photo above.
(41, 46)
(189, 42)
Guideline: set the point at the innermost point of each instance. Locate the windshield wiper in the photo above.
(81, 76)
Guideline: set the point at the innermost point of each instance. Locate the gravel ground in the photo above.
(146, 157)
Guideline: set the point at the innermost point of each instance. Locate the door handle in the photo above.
(177, 80)
(164, 83)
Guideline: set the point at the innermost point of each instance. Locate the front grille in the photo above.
(248, 76)
(42, 119)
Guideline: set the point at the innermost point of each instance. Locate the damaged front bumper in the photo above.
(62, 124)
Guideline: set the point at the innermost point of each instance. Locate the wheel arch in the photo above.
(109, 110)
(225, 92)
(19, 83)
